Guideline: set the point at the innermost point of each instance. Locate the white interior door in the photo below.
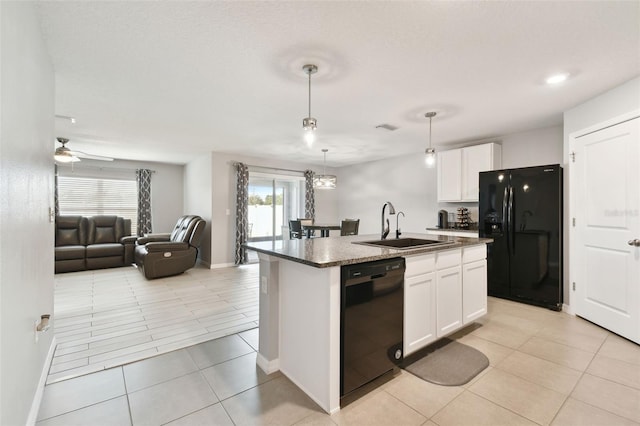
(605, 192)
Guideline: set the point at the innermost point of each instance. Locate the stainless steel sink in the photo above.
(404, 243)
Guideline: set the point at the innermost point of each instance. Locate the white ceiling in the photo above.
(168, 80)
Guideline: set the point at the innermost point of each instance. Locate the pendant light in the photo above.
(309, 123)
(430, 153)
(325, 181)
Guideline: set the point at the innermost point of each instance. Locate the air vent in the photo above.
(386, 127)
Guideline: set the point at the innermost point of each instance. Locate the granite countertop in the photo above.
(337, 251)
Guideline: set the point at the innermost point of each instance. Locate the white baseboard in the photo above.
(221, 265)
(267, 366)
(37, 397)
(567, 309)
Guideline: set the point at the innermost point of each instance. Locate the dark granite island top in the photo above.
(338, 251)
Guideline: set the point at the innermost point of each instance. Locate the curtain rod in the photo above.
(269, 168)
(122, 169)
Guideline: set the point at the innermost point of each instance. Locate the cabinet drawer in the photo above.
(448, 259)
(420, 264)
(474, 253)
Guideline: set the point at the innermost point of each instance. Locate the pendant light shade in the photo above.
(309, 124)
(325, 181)
(430, 153)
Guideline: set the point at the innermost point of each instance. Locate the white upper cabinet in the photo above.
(449, 175)
(458, 171)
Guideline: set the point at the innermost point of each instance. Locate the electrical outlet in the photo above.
(263, 285)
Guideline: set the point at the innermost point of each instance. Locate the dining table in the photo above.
(324, 229)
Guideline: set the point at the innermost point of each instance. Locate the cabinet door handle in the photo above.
(635, 243)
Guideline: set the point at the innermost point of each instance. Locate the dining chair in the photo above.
(307, 221)
(295, 229)
(349, 227)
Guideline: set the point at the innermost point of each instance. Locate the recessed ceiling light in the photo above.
(557, 78)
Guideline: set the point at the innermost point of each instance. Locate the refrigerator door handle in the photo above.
(512, 235)
(505, 212)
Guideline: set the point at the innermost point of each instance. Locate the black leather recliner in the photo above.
(106, 243)
(163, 255)
(70, 243)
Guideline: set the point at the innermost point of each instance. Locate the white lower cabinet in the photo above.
(448, 300)
(443, 291)
(420, 311)
(474, 283)
(474, 292)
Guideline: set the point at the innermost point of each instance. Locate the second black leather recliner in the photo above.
(164, 255)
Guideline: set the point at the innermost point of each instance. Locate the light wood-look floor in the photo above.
(111, 317)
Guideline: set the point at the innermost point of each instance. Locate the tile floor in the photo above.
(110, 317)
(546, 368)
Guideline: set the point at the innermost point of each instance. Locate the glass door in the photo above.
(273, 201)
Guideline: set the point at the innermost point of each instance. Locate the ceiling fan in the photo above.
(66, 155)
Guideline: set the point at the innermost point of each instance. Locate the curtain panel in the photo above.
(242, 212)
(143, 179)
(309, 195)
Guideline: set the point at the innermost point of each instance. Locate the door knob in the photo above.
(635, 243)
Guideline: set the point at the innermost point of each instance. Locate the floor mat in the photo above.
(449, 363)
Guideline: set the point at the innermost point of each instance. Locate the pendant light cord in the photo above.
(430, 118)
(309, 95)
(324, 167)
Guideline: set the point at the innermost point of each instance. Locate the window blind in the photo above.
(96, 196)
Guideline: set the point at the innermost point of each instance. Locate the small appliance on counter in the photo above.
(463, 221)
(443, 219)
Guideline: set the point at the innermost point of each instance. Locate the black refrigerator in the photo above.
(521, 210)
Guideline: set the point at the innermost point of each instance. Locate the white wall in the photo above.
(26, 194)
(166, 185)
(198, 192)
(534, 148)
(615, 102)
(213, 189)
(404, 181)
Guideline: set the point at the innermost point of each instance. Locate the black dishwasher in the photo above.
(371, 320)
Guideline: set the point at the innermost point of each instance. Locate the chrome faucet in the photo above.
(385, 230)
(398, 233)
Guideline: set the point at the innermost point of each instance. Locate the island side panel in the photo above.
(310, 331)
(269, 341)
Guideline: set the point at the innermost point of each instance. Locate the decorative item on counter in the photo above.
(463, 218)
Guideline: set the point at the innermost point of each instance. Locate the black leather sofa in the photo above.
(95, 242)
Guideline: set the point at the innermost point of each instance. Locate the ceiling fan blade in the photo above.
(81, 154)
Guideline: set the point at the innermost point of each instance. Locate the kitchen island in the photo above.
(300, 300)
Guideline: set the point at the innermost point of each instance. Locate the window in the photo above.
(96, 196)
